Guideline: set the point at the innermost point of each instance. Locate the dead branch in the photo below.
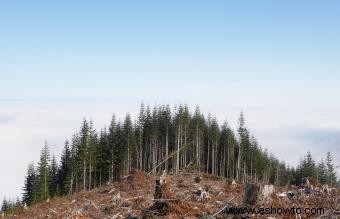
(223, 207)
(169, 156)
(165, 199)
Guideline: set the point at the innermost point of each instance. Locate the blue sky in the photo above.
(62, 60)
(64, 48)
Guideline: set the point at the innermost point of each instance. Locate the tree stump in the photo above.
(250, 194)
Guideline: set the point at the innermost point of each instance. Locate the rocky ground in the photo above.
(186, 195)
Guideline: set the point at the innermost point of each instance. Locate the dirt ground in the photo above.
(186, 195)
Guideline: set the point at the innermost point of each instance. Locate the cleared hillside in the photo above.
(185, 195)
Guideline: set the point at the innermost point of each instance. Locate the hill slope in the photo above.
(187, 195)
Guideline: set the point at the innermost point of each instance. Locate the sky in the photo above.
(60, 61)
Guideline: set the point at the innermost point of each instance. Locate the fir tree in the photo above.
(44, 174)
(5, 205)
(54, 187)
(64, 170)
(111, 138)
(331, 175)
(29, 190)
(322, 172)
(308, 166)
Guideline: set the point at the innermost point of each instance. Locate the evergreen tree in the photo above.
(74, 178)
(243, 160)
(29, 190)
(92, 146)
(331, 175)
(322, 172)
(83, 152)
(5, 205)
(308, 166)
(18, 203)
(44, 174)
(103, 157)
(64, 170)
(53, 176)
(130, 144)
(119, 152)
(198, 127)
(111, 138)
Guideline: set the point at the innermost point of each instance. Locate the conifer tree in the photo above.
(64, 170)
(73, 180)
(119, 152)
(331, 176)
(103, 157)
(322, 172)
(130, 144)
(308, 166)
(53, 175)
(198, 127)
(92, 145)
(29, 190)
(111, 138)
(83, 151)
(5, 205)
(44, 174)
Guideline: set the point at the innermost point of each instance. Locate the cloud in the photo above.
(290, 143)
(6, 118)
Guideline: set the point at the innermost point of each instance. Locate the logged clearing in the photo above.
(186, 195)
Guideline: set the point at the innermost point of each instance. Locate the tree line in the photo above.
(161, 139)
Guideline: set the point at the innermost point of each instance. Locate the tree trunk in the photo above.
(84, 173)
(208, 157)
(238, 163)
(178, 139)
(90, 175)
(166, 148)
(197, 150)
(228, 159)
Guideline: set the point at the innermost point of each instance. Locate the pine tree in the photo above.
(322, 172)
(227, 150)
(331, 175)
(54, 188)
(130, 144)
(308, 166)
(18, 203)
(73, 180)
(64, 170)
(5, 205)
(139, 132)
(111, 138)
(103, 157)
(243, 158)
(83, 151)
(119, 152)
(29, 190)
(92, 146)
(43, 174)
(198, 127)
